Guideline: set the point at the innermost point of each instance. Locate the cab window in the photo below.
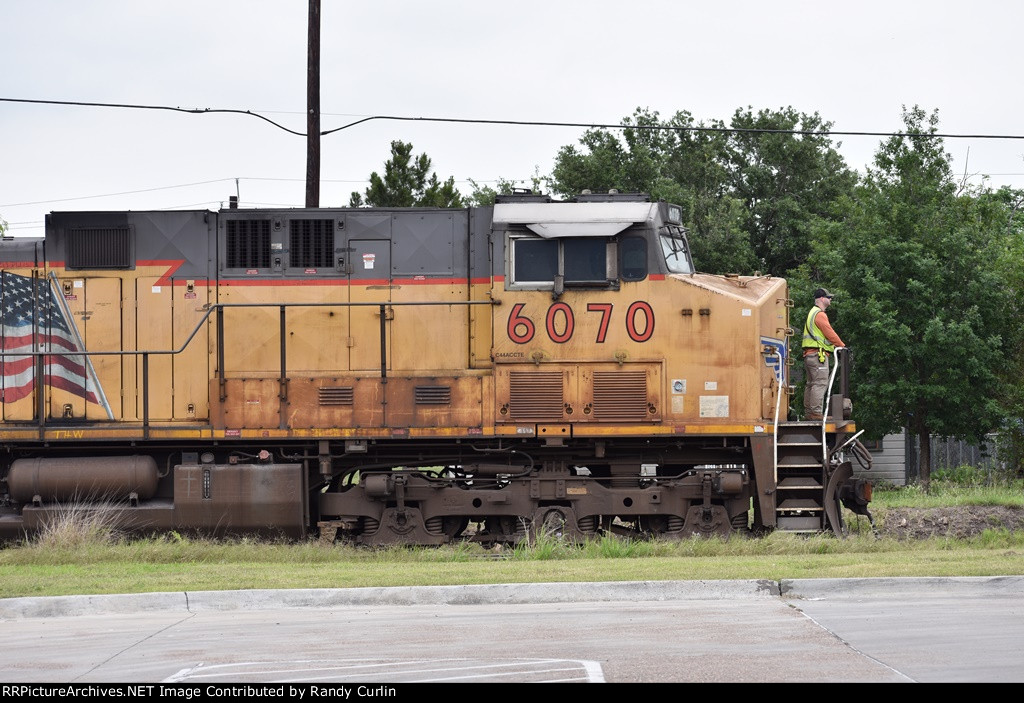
(585, 260)
(581, 261)
(677, 254)
(534, 260)
(633, 253)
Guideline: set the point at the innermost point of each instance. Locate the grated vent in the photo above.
(433, 395)
(620, 395)
(336, 395)
(99, 248)
(536, 395)
(311, 243)
(248, 244)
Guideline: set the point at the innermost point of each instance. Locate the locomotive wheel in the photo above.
(554, 523)
(654, 525)
(500, 530)
(454, 526)
(705, 522)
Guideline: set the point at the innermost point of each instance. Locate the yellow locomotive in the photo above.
(405, 375)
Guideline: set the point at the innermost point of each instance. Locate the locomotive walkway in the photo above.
(883, 630)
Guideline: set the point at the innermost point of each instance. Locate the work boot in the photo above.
(814, 416)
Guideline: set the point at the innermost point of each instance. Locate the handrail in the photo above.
(828, 399)
(219, 309)
(775, 426)
(214, 306)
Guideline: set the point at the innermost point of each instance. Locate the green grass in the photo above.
(83, 555)
(946, 493)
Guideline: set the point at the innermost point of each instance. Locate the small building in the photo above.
(895, 457)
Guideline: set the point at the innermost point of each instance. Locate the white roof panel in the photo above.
(557, 220)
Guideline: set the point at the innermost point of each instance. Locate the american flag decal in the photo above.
(33, 321)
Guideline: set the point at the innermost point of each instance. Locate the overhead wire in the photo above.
(526, 123)
(454, 120)
(678, 128)
(188, 185)
(196, 110)
(111, 195)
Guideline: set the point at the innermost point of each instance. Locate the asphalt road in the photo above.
(880, 630)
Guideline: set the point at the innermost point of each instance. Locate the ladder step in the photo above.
(799, 505)
(799, 483)
(798, 524)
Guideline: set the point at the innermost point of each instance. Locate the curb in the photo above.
(509, 593)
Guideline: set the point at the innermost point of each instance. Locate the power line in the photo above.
(111, 195)
(723, 130)
(524, 123)
(194, 111)
(198, 183)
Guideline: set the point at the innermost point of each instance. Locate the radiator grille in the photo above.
(247, 244)
(311, 243)
(336, 395)
(99, 248)
(620, 395)
(536, 395)
(433, 395)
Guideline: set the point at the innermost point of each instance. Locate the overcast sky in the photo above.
(582, 61)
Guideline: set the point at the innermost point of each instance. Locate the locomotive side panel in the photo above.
(429, 265)
(19, 278)
(623, 306)
(395, 306)
(570, 346)
(369, 247)
(718, 372)
(268, 257)
(116, 279)
(93, 305)
(190, 332)
(153, 329)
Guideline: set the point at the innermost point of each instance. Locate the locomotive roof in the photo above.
(574, 219)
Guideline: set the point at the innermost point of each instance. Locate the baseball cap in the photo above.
(822, 293)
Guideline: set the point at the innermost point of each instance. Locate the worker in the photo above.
(819, 343)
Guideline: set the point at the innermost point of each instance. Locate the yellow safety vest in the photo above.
(813, 336)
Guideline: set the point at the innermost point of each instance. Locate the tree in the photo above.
(921, 300)
(673, 160)
(607, 163)
(483, 195)
(787, 182)
(753, 192)
(1011, 434)
(406, 183)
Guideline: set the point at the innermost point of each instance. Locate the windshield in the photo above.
(677, 257)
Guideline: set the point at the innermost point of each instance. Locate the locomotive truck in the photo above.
(406, 375)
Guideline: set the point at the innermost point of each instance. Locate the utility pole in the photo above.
(313, 108)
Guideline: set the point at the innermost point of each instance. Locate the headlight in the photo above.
(672, 214)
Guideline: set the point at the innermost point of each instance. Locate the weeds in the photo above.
(79, 525)
(610, 547)
(541, 547)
